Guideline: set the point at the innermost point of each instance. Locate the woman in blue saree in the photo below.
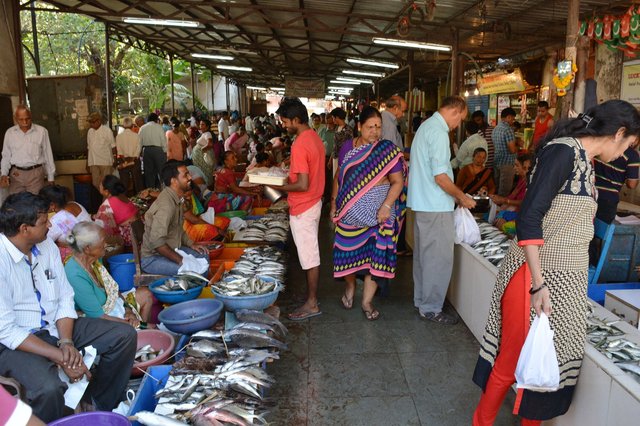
(367, 207)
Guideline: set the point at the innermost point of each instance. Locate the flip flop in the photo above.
(372, 315)
(346, 302)
(301, 316)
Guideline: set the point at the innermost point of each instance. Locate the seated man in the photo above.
(39, 328)
(163, 232)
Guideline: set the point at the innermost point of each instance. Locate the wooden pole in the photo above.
(17, 44)
(454, 88)
(193, 88)
(226, 82)
(213, 94)
(107, 75)
(582, 58)
(565, 102)
(173, 94)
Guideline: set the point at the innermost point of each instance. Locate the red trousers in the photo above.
(515, 326)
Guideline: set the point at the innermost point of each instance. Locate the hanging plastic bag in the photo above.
(467, 230)
(537, 367)
(493, 211)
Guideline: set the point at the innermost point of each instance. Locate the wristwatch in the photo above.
(65, 342)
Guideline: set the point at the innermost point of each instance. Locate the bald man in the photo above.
(396, 107)
(27, 159)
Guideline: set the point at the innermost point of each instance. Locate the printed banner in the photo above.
(501, 82)
(630, 90)
(304, 88)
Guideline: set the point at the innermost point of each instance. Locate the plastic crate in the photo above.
(231, 253)
(154, 380)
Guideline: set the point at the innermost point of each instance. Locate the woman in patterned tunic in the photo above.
(367, 205)
(546, 268)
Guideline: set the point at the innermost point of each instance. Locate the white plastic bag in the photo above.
(537, 367)
(493, 211)
(467, 230)
(190, 263)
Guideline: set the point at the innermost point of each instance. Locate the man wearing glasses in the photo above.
(39, 328)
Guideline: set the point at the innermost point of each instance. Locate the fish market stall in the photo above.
(608, 392)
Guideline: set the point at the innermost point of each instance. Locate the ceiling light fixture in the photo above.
(466, 93)
(208, 56)
(256, 88)
(277, 89)
(163, 22)
(234, 68)
(340, 88)
(338, 92)
(476, 92)
(355, 80)
(412, 44)
(364, 73)
(372, 63)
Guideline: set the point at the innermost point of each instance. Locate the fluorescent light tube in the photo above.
(256, 88)
(277, 89)
(208, 56)
(163, 22)
(364, 73)
(234, 68)
(354, 80)
(373, 63)
(412, 44)
(340, 88)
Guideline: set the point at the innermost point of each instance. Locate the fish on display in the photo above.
(246, 338)
(183, 282)
(245, 286)
(148, 418)
(205, 348)
(248, 315)
(608, 339)
(147, 353)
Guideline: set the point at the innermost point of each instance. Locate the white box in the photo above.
(625, 304)
(267, 180)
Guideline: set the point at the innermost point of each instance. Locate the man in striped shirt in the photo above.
(609, 180)
(485, 131)
(40, 331)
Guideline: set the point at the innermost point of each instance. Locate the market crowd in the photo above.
(168, 175)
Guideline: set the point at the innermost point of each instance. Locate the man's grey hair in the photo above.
(83, 235)
(127, 122)
(393, 101)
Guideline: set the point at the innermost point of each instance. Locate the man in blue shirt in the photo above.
(504, 141)
(432, 196)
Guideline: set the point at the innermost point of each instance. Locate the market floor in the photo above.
(400, 370)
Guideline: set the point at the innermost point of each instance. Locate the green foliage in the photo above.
(72, 44)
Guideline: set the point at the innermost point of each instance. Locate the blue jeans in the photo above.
(160, 265)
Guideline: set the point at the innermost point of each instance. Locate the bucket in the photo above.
(94, 418)
(271, 194)
(122, 268)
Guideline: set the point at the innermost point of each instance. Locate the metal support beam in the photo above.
(34, 31)
(455, 89)
(173, 92)
(193, 87)
(17, 45)
(226, 81)
(107, 76)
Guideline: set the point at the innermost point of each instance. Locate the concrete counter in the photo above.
(605, 395)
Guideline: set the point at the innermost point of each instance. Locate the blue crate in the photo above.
(145, 398)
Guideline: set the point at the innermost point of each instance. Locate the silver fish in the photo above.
(152, 419)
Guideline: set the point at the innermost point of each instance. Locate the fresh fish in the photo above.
(632, 367)
(254, 339)
(259, 327)
(247, 315)
(152, 419)
(204, 348)
(220, 415)
(207, 334)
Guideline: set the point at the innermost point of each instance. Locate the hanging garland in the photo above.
(562, 82)
(616, 32)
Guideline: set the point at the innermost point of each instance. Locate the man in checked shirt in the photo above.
(40, 331)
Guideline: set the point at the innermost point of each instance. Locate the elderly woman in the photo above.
(546, 268)
(96, 292)
(116, 212)
(64, 214)
(475, 178)
(367, 205)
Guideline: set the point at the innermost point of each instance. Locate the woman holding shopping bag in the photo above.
(546, 268)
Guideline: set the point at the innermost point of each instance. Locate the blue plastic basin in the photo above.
(260, 302)
(174, 296)
(192, 316)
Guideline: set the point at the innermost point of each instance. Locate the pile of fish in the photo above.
(147, 353)
(263, 261)
(182, 282)
(220, 382)
(245, 286)
(608, 340)
(493, 245)
(271, 228)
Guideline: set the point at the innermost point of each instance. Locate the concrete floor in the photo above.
(399, 370)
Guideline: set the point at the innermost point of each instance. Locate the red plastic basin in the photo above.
(158, 339)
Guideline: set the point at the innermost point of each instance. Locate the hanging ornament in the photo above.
(563, 75)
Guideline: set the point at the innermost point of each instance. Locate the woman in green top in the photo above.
(96, 292)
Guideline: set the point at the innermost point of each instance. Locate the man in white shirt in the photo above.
(129, 148)
(248, 124)
(100, 144)
(26, 155)
(223, 127)
(396, 108)
(154, 154)
(40, 331)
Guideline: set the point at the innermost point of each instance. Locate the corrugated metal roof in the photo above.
(313, 38)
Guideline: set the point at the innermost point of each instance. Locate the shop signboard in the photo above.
(501, 82)
(630, 90)
(304, 87)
